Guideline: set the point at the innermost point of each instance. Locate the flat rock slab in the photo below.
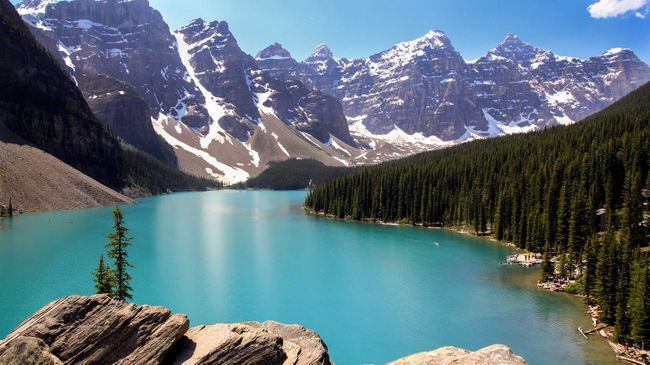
(491, 355)
(251, 343)
(101, 330)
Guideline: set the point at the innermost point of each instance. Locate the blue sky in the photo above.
(358, 28)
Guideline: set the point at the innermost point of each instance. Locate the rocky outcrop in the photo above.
(101, 330)
(491, 355)
(98, 329)
(278, 62)
(28, 350)
(252, 343)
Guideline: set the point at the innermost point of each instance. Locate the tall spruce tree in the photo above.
(640, 304)
(119, 241)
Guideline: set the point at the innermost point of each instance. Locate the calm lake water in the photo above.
(374, 293)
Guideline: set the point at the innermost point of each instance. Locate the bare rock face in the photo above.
(239, 89)
(302, 345)
(101, 330)
(127, 40)
(251, 343)
(120, 107)
(278, 62)
(491, 355)
(28, 350)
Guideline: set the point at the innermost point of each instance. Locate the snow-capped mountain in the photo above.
(223, 115)
(524, 87)
(423, 92)
(227, 114)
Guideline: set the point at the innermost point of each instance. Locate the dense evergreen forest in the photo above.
(294, 174)
(578, 193)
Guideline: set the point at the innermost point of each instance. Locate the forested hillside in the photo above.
(295, 174)
(579, 193)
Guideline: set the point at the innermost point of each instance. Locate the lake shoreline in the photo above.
(534, 284)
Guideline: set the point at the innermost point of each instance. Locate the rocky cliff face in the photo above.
(127, 40)
(520, 86)
(278, 62)
(120, 107)
(101, 330)
(241, 90)
(422, 91)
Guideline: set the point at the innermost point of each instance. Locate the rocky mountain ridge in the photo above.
(423, 91)
(101, 330)
(227, 114)
(197, 82)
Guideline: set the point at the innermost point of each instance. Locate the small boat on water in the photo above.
(436, 243)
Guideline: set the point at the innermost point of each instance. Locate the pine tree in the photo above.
(578, 228)
(547, 266)
(590, 274)
(640, 304)
(117, 246)
(103, 278)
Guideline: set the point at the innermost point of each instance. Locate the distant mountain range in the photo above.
(227, 114)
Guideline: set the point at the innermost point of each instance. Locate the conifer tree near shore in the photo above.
(117, 246)
(103, 278)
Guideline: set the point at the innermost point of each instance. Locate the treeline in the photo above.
(579, 193)
(295, 174)
(151, 176)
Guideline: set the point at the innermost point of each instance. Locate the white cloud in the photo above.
(613, 8)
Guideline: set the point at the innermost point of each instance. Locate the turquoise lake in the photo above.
(374, 293)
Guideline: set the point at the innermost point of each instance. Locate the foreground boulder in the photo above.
(251, 343)
(102, 330)
(492, 355)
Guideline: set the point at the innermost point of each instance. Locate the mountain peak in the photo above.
(514, 49)
(33, 7)
(322, 51)
(616, 51)
(435, 33)
(275, 50)
(513, 40)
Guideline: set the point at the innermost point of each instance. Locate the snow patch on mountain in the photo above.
(231, 175)
(212, 104)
